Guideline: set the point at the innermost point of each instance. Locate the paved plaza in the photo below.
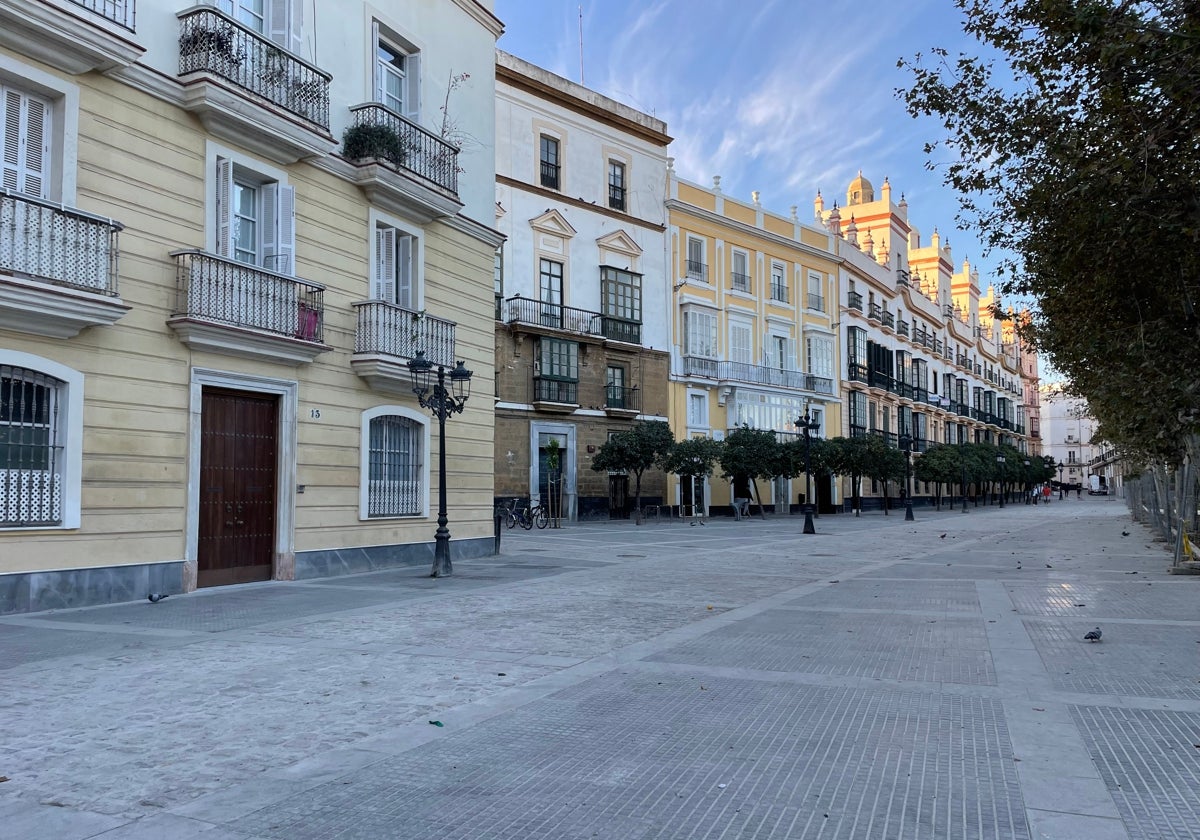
(882, 679)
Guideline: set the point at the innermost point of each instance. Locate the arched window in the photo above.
(39, 442)
(394, 454)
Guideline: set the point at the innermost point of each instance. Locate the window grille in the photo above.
(396, 470)
(31, 456)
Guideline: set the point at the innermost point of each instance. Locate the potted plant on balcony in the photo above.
(214, 42)
(366, 142)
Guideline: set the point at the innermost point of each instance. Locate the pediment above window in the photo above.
(554, 223)
(620, 242)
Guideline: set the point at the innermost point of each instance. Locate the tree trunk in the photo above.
(637, 498)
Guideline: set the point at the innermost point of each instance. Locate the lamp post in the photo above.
(906, 443)
(1025, 478)
(1000, 461)
(808, 424)
(962, 459)
(1060, 484)
(443, 402)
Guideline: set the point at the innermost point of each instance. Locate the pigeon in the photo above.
(1124, 533)
(943, 536)
(1092, 635)
(155, 597)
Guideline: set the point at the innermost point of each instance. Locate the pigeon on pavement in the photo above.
(1092, 635)
(155, 597)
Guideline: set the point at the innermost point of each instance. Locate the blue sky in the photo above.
(780, 96)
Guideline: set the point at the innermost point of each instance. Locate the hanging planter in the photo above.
(374, 142)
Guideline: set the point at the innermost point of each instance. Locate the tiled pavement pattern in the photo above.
(880, 679)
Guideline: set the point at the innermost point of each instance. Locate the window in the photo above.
(41, 431)
(25, 124)
(615, 395)
(696, 269)
(394, 484)
(256, 218)
(395, 270)
(820, 356)
(872, 415)
(904, 424)
(698, 411)
(816, 292)
(396, 78)
(779, 290)
(498, 278)
(887, 418)
(700, 334)
(557, 371)
(279, 20)
(621, 293)
(858, 413)
(741, 271)
(781, 352)
(550, 292)
(740, 343)
(550, 162)
(616, 185)
(856, 346)
(818, 415)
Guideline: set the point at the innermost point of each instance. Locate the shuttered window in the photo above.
(31, 454)
(395, 267)
(700, 334)
(25, 121)
(740, 347)
(256, 219)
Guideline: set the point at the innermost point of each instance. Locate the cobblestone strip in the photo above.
(1065, 796)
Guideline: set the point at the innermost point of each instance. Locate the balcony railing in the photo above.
(854, 300)
(520, 310)
(902, 328)
(697, 270)
(56, 244)
(622, 398)
(222, 291)
(555, 390)
(762, 375)
(890, 438)
(779, 292)
(410, 147)
(741, 282)
(816, 302)
(858, 431)
(390, 330)
(213, 42)
(621, 329)
(616, 197)
(549, 173)
(889, 319)
(876, 312)
(120, 12)
(857, 373)
(700, 366)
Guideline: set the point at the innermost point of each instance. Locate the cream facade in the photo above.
(754, 336)
(208, 301)
(581, 288)
(925, 356)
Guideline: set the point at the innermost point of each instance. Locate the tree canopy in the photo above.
(636, 450)
(1073, 151)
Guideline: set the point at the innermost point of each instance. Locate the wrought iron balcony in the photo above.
(741, 282)
(876, 312)
(902, 328)
(697, 270)
(616, 197)
(890, 438)
(73, 36)
(779, 292)
(816, 302)
(762, 375)
(700, 366)
(558, 391)
(854, 300)
(520, 310)
(386, 135)
(889, 319)
(621, 329)
(388, 336)
(249, 91)
(231, 307)
(550, 175)
(621, 399)
(857, 373)
(120, 12)
(858, 431)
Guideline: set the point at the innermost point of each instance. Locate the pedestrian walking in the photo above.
(1046, 493)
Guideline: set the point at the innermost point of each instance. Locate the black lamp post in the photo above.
(442, 402)
(906, 443)
(808, 425)
(1000, 468)
(1025, 476)
(1060, 484)
(962, 459)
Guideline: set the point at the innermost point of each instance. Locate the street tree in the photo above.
(750, 454)
(939, 464)
(635, 450)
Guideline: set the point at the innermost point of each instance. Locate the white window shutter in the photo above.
(268, 224)
(405, 245)
(225, 222)
(279, 23)
(383, 286)
(296, 27)
(10, 175)
(286, 236)
(790, 361)
(412, 80)
(26, 130)
(376, 73)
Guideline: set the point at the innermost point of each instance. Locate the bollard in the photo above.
(498, 518)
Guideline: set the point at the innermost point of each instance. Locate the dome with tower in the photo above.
(860, 191)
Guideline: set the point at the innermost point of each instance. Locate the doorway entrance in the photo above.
(239, 457)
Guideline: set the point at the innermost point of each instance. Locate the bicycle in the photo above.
(508, 513)
(533, 514)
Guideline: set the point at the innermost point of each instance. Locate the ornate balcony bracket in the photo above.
(65, 35)
(245, 342)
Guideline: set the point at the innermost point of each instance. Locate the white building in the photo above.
(1069, 436)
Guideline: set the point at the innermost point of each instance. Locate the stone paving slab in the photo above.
(655, 756)
(24, 645)
(952, 650)
(1109, 599)
(1151, 764)
(897, 595)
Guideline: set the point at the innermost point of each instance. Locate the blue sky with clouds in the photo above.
(780, 96)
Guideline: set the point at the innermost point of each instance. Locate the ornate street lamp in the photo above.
(1060, 484)
(1025, 476)
(906, 443)
(1000, 461)
(443, 402)
(808, 425)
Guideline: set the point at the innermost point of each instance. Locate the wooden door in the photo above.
(238, 463)
(618, 496)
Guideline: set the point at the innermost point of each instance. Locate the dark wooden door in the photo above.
(618, 496)
(238, 458)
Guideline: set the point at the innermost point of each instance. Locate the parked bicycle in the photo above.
(526, 517)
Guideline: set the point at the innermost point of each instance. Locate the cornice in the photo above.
(481, 15)
(575, 202)
(750, 230)
(474, 229)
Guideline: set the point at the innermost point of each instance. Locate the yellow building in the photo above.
(207, 306)
(754, 341)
